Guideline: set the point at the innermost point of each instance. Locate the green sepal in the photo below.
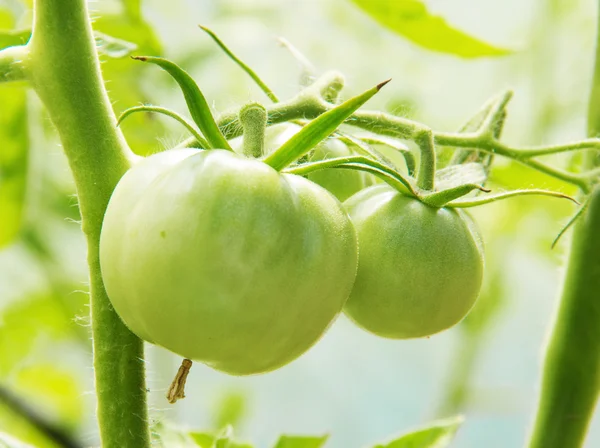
(441, 198)
(386, 173)
(201, 141)
(455, 175)
(198, 107)
(317, 130)
(259, 82)
(409, 158)
(473, 202)
(571, 221)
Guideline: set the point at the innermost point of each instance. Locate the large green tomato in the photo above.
(342, 183)
(419, 269)
(223, 260)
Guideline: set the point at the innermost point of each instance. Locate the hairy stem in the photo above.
(64, 70)
(310, 103)
(571, 375)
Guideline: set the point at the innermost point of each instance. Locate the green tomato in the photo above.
(221, 259)
(420, 268)
(342, 183)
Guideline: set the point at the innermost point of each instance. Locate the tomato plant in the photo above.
(242, 261)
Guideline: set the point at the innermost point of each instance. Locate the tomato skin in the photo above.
(223, 260)
(420, 268)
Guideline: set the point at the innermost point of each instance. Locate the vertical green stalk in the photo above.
(64, 69)
(426, 173)
(571, 377)
(253, 118)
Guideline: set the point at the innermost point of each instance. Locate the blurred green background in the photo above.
(359, 388)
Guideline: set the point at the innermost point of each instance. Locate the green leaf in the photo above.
(7, 19)
(230, 410)
(203, 439)
(301, 441)
(14, 141)
(9, 38)
(455, 175)
(195, 100)
(54, 391)
(7, 441)
(22, 325)
(437, 434)
(410, 19)
(166, 435)
(126, 80)
(133, 9)
(113, 47)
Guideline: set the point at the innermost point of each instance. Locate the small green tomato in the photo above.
(221, 259)
(420, 268)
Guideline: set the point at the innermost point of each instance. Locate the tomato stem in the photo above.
(311, 103)
(426, 173)
(571, 374)
(253, 117)
(64, 69)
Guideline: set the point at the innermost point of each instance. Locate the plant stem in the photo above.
(426, 173)
(64, 70)
(571, 376)
(310, 103)
(253, 117)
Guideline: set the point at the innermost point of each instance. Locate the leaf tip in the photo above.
(381, 84)
(139, 58)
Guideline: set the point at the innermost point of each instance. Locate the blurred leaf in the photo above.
(56, 392)
(14, 141)
(410, 19)
(203, 439)
(108, 45)
(124, 77)
(113, 47)
(7, 441)
(438, 434)
(455, 175)
(515, 176)
(301, 441)
(22, 323)
(166, 435)
(489, 303)
(9, 38)
(230, 410)
(7, 20)
(169, 436)
(133, 9)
